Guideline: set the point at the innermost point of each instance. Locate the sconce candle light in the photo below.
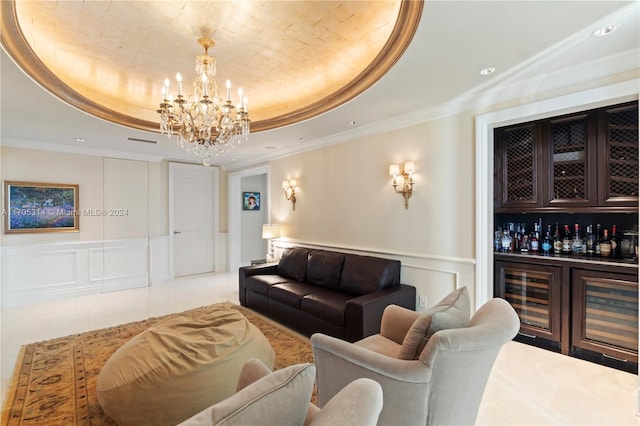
(290, 186)
(403, 179)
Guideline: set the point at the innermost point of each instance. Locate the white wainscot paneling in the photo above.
(40, 273)
(124, 265)
(160, 267)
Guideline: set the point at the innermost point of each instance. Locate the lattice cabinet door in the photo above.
(605, 314)
(534, 291)
(516, 167)
(572, 161)
(618, 136)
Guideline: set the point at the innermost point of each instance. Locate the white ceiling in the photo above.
(536, 46)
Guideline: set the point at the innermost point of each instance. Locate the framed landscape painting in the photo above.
(40, 207)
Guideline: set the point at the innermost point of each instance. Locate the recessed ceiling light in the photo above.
(81, 140)
(487, 71)
(300, 139)
(608, 29)
(353, 122)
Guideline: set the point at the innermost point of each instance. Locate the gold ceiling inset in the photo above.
(294, 59)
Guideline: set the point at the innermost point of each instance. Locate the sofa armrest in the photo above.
(396, 322)
(363, 314)
(247, 271)
(262, 269)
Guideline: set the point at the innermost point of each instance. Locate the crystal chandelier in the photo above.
(206, 125)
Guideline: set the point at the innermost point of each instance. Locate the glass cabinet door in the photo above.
(619, 136)
(605, 314)
(534, 292)
(570, 161)
(516, 167)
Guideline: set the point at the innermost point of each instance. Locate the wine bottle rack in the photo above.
(532, 291)
(605, 315)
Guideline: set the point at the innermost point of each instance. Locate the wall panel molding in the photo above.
(284, 243)
(44, 272)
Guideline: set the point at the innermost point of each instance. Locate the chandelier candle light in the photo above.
(206, 125)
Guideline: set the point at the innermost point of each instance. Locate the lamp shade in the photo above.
(270, 231)
(394, 170)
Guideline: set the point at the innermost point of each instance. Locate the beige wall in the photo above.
(346, 198)
(137, 187)
(346, 201)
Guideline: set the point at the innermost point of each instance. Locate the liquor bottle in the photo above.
(615, 247)
(497, 240)
(598, 241)
(577, 243)
(605, 244)
(590, 242)
(534, 241)
(557, 241)
(547, 243)
(506, 241)
(525, 244)
(566, 241)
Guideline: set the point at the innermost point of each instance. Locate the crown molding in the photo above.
(79, 150)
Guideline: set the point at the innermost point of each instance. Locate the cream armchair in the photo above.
(443, 386)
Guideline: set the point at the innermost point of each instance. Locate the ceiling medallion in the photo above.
(205, 124)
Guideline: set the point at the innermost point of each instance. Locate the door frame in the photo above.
(235, 212)
(484, 125)
(216, 207)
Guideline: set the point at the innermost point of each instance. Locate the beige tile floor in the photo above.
(528, 386)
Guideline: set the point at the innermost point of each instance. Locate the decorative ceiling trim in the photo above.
(15, 44)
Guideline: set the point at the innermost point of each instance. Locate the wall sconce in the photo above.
(290, 187)
(404, 180)
(271, 232)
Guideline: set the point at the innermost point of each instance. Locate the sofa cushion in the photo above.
(328, 305)
(291, 293)
(293, 263)
(452, 312)
(366, 274)
(324, 268)
(261, 283)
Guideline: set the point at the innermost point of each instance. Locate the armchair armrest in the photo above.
(396, 322)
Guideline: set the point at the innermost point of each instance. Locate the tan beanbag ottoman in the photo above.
(179, 367)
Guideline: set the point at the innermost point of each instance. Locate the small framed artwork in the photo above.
(250, 201)
(40, 207)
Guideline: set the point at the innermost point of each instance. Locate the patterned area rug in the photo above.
(55, 380)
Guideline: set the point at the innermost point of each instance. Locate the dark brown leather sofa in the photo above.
(339, 294)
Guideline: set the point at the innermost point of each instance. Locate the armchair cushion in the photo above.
(452, 312)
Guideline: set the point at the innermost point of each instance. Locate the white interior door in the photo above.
(192, 218)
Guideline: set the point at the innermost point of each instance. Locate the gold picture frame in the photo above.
(40, 207)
